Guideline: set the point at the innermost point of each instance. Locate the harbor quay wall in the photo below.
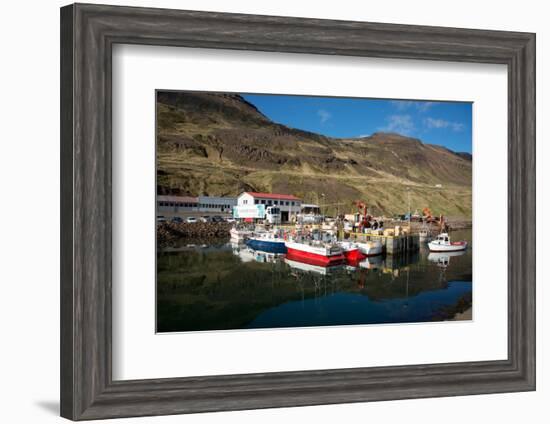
(393, 245)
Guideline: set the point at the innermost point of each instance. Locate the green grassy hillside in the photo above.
(219, 144)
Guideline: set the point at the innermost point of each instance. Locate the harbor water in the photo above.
(219, 285)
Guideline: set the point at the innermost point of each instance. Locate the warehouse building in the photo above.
(195, 206)
(222, 205)
(175, 205)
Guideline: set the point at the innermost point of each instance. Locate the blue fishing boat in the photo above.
(267, 242)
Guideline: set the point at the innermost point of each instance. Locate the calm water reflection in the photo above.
(225, 286)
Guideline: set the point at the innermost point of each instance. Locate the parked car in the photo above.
(192, 220)
(204, 219)
(177, 219)
(161, 219)
(230, 219)
(217, 218)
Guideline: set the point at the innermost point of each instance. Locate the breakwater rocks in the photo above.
(171, 232)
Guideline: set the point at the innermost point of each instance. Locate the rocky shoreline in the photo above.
(170, 233)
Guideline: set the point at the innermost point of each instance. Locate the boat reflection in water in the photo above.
(372, 262)
(234, 286)
(297, 262)
(247, 254)
(443, 259)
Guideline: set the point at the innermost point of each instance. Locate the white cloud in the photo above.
(402, 105)
(441, 123)
(324, 115)
(402, 124)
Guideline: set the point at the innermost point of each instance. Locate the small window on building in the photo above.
(292, 203)
(275, 202)
(269, 202)
(256, 201)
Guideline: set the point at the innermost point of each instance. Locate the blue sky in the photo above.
(445, 123)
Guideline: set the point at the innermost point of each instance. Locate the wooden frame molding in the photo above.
(88, 33)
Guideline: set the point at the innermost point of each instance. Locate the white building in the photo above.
(289, 205)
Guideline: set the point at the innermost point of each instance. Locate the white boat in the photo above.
(239, 234)
(443, 243)
(370, 248)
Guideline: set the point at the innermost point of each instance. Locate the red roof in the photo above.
(273, 195)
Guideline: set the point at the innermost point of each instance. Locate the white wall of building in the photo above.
(289, 207)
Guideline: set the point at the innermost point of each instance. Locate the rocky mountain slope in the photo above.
(220, 144)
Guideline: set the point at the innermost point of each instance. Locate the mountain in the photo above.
(220, 144)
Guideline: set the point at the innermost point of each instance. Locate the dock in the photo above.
(393, 245)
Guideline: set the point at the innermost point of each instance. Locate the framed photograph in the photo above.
(264, 212)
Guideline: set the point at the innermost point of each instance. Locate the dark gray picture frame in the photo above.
(88, 33)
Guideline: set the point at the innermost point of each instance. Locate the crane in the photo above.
(365, 220)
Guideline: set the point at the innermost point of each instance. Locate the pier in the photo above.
(392, 244)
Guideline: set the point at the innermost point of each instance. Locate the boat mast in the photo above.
(409, 206)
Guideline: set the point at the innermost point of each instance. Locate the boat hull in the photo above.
(453, 247)
(354, 255)
(267, 246)
(370, 249)
(315, 257)
(351, 251)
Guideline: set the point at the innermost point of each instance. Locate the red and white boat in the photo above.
(320, 252)
(351, 251)
(443, 243)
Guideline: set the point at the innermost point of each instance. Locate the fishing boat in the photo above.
(443, 243)
(319, 251)
(351, 251)
(267, 241)
(370, 248)
(240, 234)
